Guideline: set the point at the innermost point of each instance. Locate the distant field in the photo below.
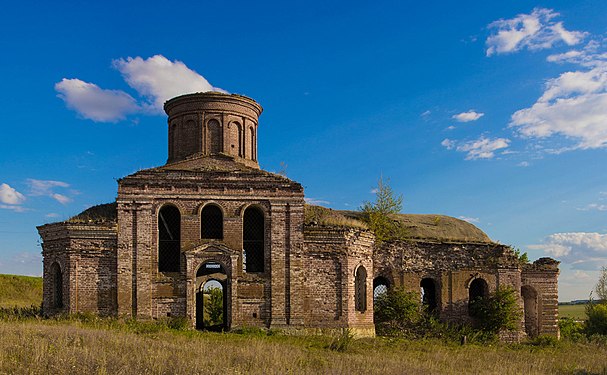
(577, 312)
(20, 291)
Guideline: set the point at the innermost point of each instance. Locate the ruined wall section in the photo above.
(539, 282)
(331, 259)
(451, 265)
(86, 255)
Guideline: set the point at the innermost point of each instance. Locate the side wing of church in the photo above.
(211, 216)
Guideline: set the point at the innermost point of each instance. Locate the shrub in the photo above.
(596, 322)
(497, 312)
(396, 312)
(343, 341)
(571, 329)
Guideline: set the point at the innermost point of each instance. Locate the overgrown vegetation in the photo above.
(601, 286)
(213, 307)
(496, 312)
(20, 291)
(378, 214)
(317, 215)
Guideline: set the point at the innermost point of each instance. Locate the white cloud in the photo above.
(46, 188)
(95, 103)
(482, 148)
(534, 31)
(11, 196)
(13, 208)
(52, 215)
(573, 105)
(448, 143)
(471, 220)
(523, 164)
(471, 115)
(315, 201)
(156, 79)
(594, 207)
(580, 249)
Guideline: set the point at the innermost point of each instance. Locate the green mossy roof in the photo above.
(101, 213)
(417, 226)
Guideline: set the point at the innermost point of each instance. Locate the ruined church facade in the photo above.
(210, 214)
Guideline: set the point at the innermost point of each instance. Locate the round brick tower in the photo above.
(213, 124)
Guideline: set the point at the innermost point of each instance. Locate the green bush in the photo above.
(397, 312)
(497, 312)
(596, 322)
(342, 342)
(571, 329)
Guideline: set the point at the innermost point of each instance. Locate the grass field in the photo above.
(108, 347)
(577, 312)
(20, 291)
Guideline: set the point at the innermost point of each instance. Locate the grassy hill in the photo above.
(20, 291)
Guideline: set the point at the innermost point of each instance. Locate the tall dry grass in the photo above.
(72, 347)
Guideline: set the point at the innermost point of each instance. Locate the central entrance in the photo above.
(211, 301)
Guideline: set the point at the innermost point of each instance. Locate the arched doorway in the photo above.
(429, 294)
(211, 297)
(380, 287)
(530, 304)
(478, 289)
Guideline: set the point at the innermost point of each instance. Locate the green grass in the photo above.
(111, 346)
(577, 312)
(20, 291)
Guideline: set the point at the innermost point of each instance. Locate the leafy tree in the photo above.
(596, 322)
(601, 286)
(214, 307)
(377, 215)
(497, 312)
(396, 311)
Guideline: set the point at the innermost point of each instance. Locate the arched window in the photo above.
(57, 286)
(380, 286)
(253, 233)
(211, 222)
(429, 295)
(478, 289)
(169, 235)
(235, 139)
(214, 137)
(360, 289)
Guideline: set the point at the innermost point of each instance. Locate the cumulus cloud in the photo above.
(534, 31)
(155, 79)
(471, 115)
(9, 195)
(582, 250)
(594, 207)
(573, 105)
(158, 79)
(47, 188)
(482, 148)
(95, 103)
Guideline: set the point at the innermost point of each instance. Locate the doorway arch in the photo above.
(211, 297)
(530, 308)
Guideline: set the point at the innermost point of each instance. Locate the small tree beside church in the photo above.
(379, 214)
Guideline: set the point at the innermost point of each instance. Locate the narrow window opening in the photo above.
(169, 235)
(211, 219)
(253, 240)
(360, 289)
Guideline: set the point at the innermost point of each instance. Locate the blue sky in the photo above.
(490, 111)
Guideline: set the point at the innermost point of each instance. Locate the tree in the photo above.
(378, 215)
(601, 286)
(396, 312)
(497, 312)
(214, 308)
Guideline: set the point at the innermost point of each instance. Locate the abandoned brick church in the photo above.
(210, 214)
